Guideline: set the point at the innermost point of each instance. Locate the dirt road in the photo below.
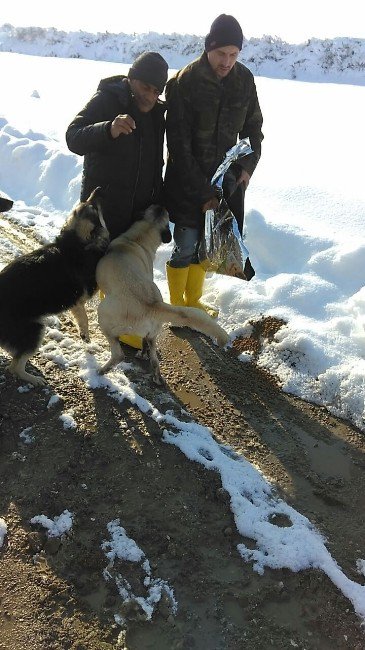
(53, 594)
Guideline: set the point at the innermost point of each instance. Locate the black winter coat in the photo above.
(117, 164)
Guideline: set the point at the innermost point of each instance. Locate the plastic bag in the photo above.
(221, 248)
(242, 148)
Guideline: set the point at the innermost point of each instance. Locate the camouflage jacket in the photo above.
(205, 118)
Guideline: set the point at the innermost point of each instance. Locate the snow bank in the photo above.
(340, 59)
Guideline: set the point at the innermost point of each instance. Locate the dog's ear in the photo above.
(95, 199)
(95, 196)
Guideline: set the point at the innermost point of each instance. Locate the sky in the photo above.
(305, 232)
(284, 18)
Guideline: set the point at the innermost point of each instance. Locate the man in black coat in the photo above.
(120, 133)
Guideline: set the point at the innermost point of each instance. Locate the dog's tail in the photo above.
(192, 317)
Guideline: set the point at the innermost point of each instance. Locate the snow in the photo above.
(122, 547)
(56, 527)
(26, 436)
(68, 421)
(3, 531)
(53, 400)
(305, 232)
(313, 59)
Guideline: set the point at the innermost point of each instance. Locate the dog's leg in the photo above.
(155, 366)
(116, 355)
(145, 352)
(111, 333)
(17, 368)
(80, 314)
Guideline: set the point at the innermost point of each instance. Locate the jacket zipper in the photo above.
(138, 171)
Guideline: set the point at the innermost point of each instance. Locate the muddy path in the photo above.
(116, 465)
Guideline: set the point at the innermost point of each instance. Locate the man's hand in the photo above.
(122, 125)
(244, 178)
(212, 204)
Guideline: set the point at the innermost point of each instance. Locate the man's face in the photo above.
(222, 60)
(145, 95)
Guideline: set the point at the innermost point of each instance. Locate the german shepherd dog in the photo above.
(133, 303)
(51, 279)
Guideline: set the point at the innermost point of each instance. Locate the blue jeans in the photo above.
(186, 239)
(186, 246)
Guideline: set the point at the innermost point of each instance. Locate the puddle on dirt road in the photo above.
(189, 398)
(291, 614)
(326, 459)
(96, 599)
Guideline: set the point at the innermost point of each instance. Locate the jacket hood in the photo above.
(118, 85)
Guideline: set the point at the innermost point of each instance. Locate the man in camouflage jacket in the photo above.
(211, 103)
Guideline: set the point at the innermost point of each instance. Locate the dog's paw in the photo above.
(37, 381)
(84, 335)
(223, 340)
(158, 379)
(143, 355)
(106, 367)
(23, 375)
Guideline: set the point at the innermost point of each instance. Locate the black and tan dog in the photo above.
(133, 303)
(51, 279)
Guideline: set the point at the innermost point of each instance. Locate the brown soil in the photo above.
(53, 594)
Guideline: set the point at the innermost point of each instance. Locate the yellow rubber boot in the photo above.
(177, 279)
(132, 340)
(194, 290)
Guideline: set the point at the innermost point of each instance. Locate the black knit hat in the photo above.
(151, 68)
(225, 30)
